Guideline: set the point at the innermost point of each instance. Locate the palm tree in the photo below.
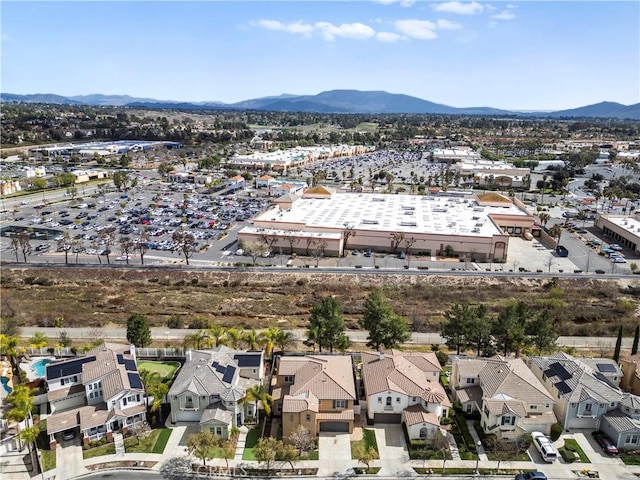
(284, 339)
(158, 390)
(313, 338)
(196, 340)
(22, 400)
(9, 347)
(252, 339)
(28, 436)
(235, 338)
(217, 334)
(556, 232)
(256, 394)
(268, 338)
(544, 218)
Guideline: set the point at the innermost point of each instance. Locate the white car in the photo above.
(618, 260)
(615, 246)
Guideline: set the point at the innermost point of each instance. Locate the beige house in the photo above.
(315, 391)
(404, 387)
(630, 374)
(509, 397)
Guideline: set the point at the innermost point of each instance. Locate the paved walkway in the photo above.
(453, 447)
(242, 440)
(472, 430)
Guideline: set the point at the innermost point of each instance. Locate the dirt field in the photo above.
(106, 297)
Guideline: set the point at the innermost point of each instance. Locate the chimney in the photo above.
(381, 354)
(132, 351)
(188, 355)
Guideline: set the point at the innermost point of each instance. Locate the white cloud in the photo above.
(299, 27)
(402, 3)
(358, 31)
(448, 25)
(389, 37)
(419, 29)
(459, 8)
(511, 6)
(504, 15)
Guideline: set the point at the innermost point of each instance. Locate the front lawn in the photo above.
(571, 445)
(312, 455)
(252, 440)
(153, 443)
(630, 458)
(166, 370)
(48, 459)
(106, 449)
(443, 376)
(368, 440)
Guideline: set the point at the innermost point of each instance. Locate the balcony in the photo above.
(388, 408)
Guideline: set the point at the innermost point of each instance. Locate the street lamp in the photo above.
(479, 446)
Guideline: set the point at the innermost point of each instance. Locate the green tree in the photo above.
(302, 439)
(616, 352)
(386, 328)
(252, 338)
(258, 395)
(138, 331)
(268, 338)
(636, 339)
(328, 319)
(186, 244)
(509, 327)
(29, 435)
(202, 445)
(217, 334)
(556, 232)
(478, 334)
(22, 401)
(38, 340)
(286, 452)
(265, 451)
(286, 339)
(541, 330)
(455, 326)
(365, 454)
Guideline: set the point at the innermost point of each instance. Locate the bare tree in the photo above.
(396, 238)
(24, 241)
(302, 439)
(142, 245)
(126, 247)
(15, 247)
(268, 240)
(254, 250)
(318, 251)
(292, 239)
(186, 244)
(347, 233)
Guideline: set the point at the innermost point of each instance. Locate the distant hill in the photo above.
(333, 101)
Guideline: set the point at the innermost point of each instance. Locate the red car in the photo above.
(607, 445)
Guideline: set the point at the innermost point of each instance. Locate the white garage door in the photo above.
(188, 416)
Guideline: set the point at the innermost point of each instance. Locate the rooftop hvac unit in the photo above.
(476, 230)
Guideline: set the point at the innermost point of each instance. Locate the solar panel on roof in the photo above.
(130, 365)
(247, 360)
(559, 371)
(606, 367)
(120, 358)
(563, 387)
(220, 368)
(134, 380)
(228, 375)
(215, 364)
(64, 369)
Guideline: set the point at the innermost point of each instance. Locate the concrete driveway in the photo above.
(334, 453)
(610, 468)
(69, 461)
(394, 456)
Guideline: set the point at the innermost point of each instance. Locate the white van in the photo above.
(543, 444)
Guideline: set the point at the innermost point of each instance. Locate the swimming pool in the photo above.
(40, 367)
(5, 385)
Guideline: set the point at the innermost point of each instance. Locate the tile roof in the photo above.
(213, 372)
(112, 366)
(63, 421)
(470, 394)
(215, 414)
(327, 377)
(620, 422)
(415, 414)
(576, 381)
(403, 373)
(512, 378)
(346, 414)
(631, 401)
(65, 392)
(300, 403)
(501, 407)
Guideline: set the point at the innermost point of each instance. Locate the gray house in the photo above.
(583, 394)
(211, 385)
(622, 425)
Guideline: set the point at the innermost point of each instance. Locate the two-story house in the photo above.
(631, 373)
(98, 394)
(315, 391)
(622, 425)
(404, 387)
(510, 399)
(583, 394)
(210, 387)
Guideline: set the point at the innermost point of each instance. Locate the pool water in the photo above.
(40, 367)
(5, 385)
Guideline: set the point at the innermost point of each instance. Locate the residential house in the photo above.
(511, 401)
(316, 391)
(98, 394)
(583, 394)
(210, 387)
(631, 374)
(404, 387)
(622, 425)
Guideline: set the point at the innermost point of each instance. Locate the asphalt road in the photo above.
(356, 336)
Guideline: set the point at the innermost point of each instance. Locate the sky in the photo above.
(529, 55)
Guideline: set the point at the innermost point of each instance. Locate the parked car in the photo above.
(531, 476)
(607, 445)
(615, 246)
(68, 435)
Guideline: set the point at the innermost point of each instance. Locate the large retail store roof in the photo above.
(396, 213)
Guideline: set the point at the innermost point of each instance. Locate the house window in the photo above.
(308, 417)
(508, 420)
(469, 408)
(339, 404)
(388, 401)
(632, 439)
(379, 399)
(279, 408)
(414, 399)
(533, 407)
(471, 380)
(587, 407)
(288, 379)
(486, 410)
(397, 399)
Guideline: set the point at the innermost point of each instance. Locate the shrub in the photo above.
(175, 321)
(567, 455)
(599, 272)
(556, 431)
(301, 282)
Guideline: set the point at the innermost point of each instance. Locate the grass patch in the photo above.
(252, 440)
(370, 470)
(630, 458)
(106, 449)
(48, 459)
(368, 440)
(444, 380)
(166, 370)
(312, 455)
(571, 445)
(153, 443)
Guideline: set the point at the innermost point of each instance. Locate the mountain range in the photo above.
(332, 101)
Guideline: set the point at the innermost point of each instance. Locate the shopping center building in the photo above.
(466, 225)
